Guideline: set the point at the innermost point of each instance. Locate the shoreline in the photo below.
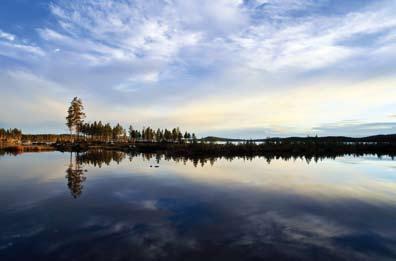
(285, 149)
(17, 148)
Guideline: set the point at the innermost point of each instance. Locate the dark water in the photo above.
(117, 207)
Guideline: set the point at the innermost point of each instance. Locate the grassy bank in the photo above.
(16, 149)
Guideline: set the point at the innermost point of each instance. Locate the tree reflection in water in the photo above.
(75, 172)
(75, 176)
(100, 157)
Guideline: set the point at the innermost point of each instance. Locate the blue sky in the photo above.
(235, 68)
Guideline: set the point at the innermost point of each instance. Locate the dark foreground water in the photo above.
(57, 207)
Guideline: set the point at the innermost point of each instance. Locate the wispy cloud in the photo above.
(19, 51)
(11, 46)
(7, 36)
(217, 65)
(223, 33)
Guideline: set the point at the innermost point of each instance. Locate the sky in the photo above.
(231, 68)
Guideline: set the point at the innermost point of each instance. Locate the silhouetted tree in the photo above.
(158, 135)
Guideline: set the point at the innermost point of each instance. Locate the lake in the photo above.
(114, 206)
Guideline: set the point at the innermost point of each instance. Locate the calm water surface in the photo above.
(56, 206)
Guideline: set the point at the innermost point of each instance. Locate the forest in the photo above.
(84, 136)
(97, 131)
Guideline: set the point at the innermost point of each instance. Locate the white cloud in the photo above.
(211, 64)
(312, 42)
(7, 36)
(279, 8)
(120, 29)
(220, 32)
(10, 47)
(19, 51)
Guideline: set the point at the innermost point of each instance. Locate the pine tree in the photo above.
(79, 115)
(75, 116)
(69, 118)
(131, 133)
(174, 134)
(158, 135)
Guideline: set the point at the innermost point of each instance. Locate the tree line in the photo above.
(10, 135)
(159, 135)
(98, 131)
(45, 138)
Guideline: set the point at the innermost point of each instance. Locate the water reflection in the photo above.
(101, 157)
(79, 162)
(75, 175)
(75, 172)
(222, 209)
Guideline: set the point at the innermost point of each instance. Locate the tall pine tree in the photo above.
(75, 116)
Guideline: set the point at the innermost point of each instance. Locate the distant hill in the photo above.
(214, 139)
(375, 138)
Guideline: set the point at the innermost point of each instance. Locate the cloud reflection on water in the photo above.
(236, 210)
